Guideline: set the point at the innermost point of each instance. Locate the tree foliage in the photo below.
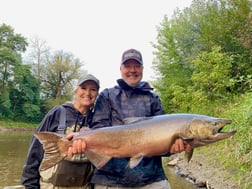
(24, 95)
(61, 71)
(11, 47)
(201, 55)
(18, 87)
(28, 90)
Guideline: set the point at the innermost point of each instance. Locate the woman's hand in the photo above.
(78, 146)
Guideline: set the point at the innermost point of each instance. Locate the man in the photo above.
(130, 98)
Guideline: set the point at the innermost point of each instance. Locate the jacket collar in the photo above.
(143, 86)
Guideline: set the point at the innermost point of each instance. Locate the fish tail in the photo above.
(54, 148)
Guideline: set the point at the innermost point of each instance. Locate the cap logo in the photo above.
(132, 54)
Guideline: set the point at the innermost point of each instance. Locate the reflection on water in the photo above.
(14, 146)
(175, 180)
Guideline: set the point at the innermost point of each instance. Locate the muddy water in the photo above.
(13, 149)
(176, 181)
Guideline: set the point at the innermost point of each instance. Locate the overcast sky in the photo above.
(95, 31)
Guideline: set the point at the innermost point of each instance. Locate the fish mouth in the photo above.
(211, 132)
(217, 137)
(224, 134)
(218, 133)
(221, 124)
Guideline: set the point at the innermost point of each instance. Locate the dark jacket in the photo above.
(30, 176)
(112, 106)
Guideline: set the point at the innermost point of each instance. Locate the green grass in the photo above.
(235, 153)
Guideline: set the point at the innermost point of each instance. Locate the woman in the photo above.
(64, 119)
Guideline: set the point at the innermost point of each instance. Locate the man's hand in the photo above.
(179, 146)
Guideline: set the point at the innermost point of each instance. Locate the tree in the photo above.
(38, 55)
(171, 64)
(61, 70)
(190, 38)
(211, 76)
(24, 95)
(11, 47)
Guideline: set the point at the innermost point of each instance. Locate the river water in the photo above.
(13, 150)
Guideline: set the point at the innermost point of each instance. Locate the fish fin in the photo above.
(189, 155)
(51, 144)
(98, 160)
(130, 120)
(49, 162)
(134, 161)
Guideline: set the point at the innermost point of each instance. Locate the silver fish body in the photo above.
(138, 138)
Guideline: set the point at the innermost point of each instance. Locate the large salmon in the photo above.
(137, 138)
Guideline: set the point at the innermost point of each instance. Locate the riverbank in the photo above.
(205, 173)
(16, 129)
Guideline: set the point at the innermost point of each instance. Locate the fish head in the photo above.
(206, 130)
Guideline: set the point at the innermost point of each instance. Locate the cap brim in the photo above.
(124, 61)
